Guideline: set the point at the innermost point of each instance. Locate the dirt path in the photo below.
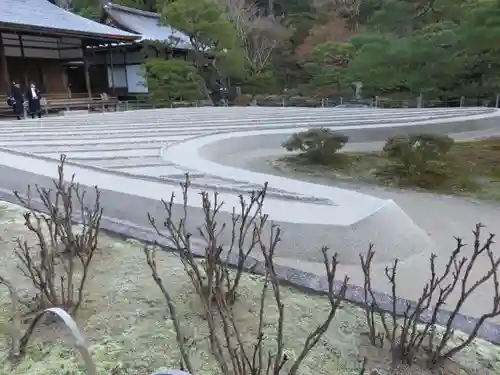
(442, 217)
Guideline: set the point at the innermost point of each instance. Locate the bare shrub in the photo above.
(242, 100)
(317, 145)
(417, 159)
(243, 240)
(233, 355)
(415, 332)
(58, 265)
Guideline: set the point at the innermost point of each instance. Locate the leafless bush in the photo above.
(58, 265)
(233, 355)
(243, 239)
(414, 333)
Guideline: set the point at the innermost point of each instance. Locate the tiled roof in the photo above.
(43, 16)
(147, 25)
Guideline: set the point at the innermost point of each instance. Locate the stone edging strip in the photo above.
(302, 280)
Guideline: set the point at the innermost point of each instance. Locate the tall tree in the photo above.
(440, 48)
(209, 31)
(258, 35)
(171, 80)
(326, 65)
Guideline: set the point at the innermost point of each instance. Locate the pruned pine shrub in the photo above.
(417, 159)
(319, 145)
(170, 81)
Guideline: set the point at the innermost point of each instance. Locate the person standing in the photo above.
(33, 96)
(15, 100)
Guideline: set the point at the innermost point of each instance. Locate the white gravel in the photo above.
(442, 217)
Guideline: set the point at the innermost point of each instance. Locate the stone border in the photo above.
(304, 281)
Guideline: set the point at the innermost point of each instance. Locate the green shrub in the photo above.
(174, 80)
(418, 159)
(317, 145)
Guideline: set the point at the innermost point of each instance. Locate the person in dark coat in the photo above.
(15, 100)
(33, 96)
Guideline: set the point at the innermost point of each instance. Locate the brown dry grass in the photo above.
(126, 322)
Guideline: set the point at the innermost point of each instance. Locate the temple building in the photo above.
(47, 45)
(123, 60)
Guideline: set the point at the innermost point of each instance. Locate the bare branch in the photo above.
(15, 329)
(151, 261)
(406, 333)
(59, 244)
(260, 35)
(216, 284)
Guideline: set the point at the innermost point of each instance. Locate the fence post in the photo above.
(376, 101)
(322, 102)
(497, 100)
(341, 100)
(462, 101)
(283, 102)
(420, 101)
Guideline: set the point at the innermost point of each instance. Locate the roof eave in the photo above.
(13, 27)
(123, 8)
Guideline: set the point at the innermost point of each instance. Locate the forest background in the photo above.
(444, 49)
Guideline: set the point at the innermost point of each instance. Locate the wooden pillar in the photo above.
(86, 70)
(3, 62)
(23, 61)
(112, 69)
(125, 64)
(45, 81)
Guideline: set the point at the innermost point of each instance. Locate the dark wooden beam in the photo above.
(3, 62)
(125, 64)
(23, 60)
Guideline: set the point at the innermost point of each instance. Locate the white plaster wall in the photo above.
(136, 83)
(117, 77)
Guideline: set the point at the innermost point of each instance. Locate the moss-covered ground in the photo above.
(471, 168)
(126, 322)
